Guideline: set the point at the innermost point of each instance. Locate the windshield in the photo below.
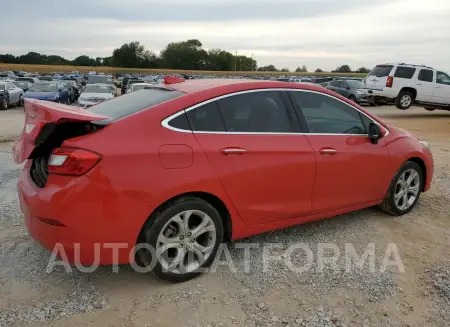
(44, 87)
(355, 84)
(45, 78)
(22, 85)
(99, 80)
(96, 89)
(381, 70)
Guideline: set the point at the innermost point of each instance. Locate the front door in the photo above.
(442, 89)
(265, 166)
(350, 170)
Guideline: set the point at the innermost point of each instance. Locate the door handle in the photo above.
(230, 151)
(329, 151)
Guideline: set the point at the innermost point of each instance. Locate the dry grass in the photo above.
(113, 70)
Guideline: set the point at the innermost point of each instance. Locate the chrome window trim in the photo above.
(165, 122)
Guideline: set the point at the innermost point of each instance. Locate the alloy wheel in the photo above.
(186, 241)
(407, 189)
(405, 101)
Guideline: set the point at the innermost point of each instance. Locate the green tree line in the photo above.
(185, 55)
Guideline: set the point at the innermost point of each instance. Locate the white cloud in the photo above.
(359, 35)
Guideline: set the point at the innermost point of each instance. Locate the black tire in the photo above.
(352, 98)
(3, 104)
(20, 103)
(402, 96)
(388, 205)
(68, 101)
(430, 109)
(372, 104)
(156, 223)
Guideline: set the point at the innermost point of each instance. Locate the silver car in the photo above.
(15, 94)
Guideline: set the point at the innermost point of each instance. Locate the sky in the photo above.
(286, 33)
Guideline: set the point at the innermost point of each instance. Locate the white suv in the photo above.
(405, 85)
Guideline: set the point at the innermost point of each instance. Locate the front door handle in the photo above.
(230, 151)
(329, 151)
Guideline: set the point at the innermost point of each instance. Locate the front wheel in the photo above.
(404, 191)
(404, 100)
(184, 237)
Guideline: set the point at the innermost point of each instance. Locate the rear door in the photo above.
(350, 170)
(252, 141)
(377, 77)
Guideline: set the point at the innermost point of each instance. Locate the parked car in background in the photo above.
(49, 91)
(93, 94)
(7, 76)
(75, 87)
(100, 79)
(353, 90)
(4, 97)
(125, 80)
(138, 86)
(45, 78)
(14, 94)
(28, 79)
(406, 85)
(24, 85)
(133, 81)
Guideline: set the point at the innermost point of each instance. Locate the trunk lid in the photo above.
(377, 77)
(42, 119)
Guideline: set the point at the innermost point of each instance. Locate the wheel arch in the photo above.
(410, 89)
(212, 199)
(422, 165)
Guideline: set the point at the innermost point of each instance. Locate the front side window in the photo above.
(257, 112)
(442, 78)
(426, 75)
(327, 115)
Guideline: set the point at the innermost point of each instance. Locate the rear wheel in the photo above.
(404, 191)
(185, 237)
(404, 100)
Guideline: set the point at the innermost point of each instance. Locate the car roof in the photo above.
(225, 84)
(99, 84)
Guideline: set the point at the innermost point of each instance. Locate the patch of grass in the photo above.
(113, 70)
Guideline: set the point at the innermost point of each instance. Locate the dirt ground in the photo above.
(419, 296)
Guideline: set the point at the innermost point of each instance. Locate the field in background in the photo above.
(113, 70)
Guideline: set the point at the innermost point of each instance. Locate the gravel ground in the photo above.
(279, 296)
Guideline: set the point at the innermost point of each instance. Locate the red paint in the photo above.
(279, 181)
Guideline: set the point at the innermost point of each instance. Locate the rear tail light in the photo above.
(389, 81)
(72, 161)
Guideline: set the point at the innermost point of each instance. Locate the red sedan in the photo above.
(183, 167)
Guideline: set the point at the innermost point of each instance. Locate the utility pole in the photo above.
(252, 61)
(235, 61)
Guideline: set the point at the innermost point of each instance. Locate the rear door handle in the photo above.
(230, 151)
(329, 151)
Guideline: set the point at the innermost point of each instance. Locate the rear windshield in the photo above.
(131, 103)
(381, 70)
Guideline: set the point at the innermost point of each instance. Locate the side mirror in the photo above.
(374, 133)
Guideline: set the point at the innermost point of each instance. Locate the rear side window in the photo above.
(206, 118)
(180, 122)
(381, 70)
(442, 78)
(257, 112)
(404, 72)
(131, 103)
(426, 75)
